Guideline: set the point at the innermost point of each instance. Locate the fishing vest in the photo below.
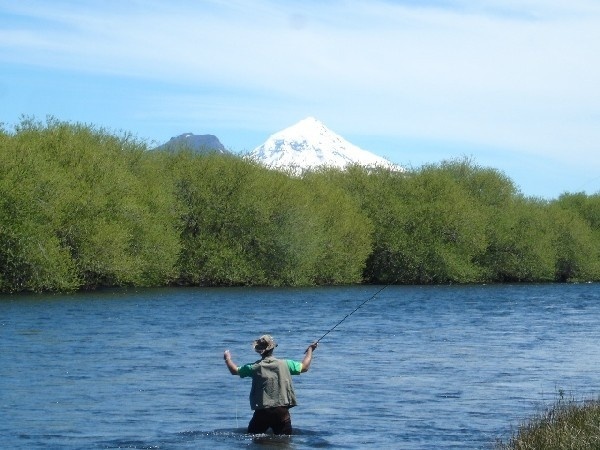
(271, 384)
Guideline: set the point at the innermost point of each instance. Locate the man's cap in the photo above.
(264, 344)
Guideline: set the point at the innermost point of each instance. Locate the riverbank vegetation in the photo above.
(82, 208)
(564, 426)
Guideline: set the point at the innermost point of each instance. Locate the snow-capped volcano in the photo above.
(309, 144)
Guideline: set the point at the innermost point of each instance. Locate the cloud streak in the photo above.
(515, 75)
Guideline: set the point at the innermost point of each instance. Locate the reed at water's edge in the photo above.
(567, 424)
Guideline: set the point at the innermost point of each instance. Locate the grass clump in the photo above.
(567, 424)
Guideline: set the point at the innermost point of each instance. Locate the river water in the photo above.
(414, 368)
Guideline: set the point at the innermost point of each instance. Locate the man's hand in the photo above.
(312, 346)
(226, 355)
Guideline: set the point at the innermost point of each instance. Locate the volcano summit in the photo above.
(308, 145)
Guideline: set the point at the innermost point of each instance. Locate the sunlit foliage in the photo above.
(82, 208)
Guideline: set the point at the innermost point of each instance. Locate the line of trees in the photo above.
(82, 208)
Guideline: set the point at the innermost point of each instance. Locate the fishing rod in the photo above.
(349, 314)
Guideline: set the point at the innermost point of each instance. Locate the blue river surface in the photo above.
(446, 367)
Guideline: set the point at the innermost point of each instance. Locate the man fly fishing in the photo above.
(272, 393)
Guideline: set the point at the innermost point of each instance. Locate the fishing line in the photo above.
(349, 314)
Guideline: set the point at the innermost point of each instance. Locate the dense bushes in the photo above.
(83, 208)
(458, 222)
(243, 224)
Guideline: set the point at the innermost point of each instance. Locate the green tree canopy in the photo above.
(81, 208)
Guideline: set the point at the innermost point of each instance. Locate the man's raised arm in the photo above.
(308, 356)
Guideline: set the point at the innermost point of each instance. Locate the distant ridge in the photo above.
(309, 144)
(197, 143)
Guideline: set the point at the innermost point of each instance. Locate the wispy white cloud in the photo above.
(520, 75)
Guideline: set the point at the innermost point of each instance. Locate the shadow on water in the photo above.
(301, 438)
(227, 438)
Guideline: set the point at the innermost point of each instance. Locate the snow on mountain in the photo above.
(309, 144)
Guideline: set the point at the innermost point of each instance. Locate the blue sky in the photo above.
(512, 84)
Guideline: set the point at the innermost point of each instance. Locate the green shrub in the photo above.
(81, 208)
